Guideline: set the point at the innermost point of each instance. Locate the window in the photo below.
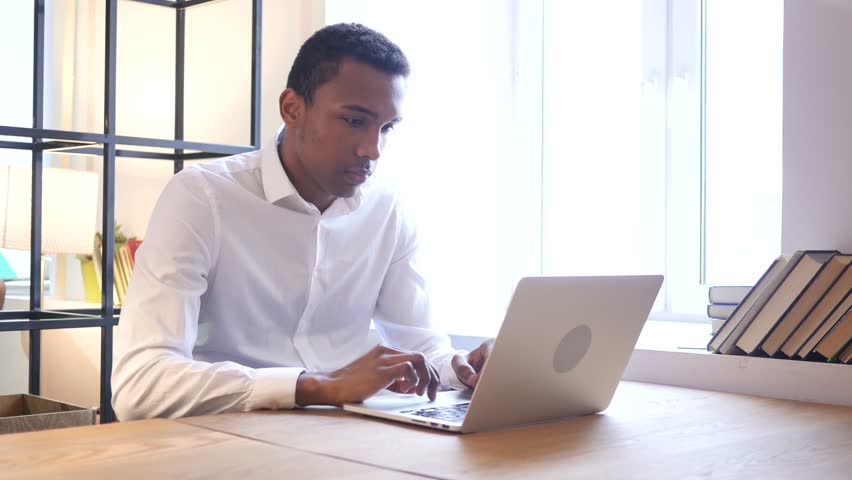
(603, 114)
(586, 138)
(723, 222)
(16, 99)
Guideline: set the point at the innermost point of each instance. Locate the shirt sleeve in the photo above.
(154, 374)
(402, 315)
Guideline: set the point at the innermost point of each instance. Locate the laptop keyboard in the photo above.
(450, 413)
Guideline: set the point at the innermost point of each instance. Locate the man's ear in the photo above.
(291, 106)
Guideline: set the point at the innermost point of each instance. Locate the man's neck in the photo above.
(299, 178)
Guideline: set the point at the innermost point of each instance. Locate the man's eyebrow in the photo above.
(368, 112)
(360, 109)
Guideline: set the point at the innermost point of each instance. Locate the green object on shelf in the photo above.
(6, 272)
(91, 284)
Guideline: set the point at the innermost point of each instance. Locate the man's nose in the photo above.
(370, 147)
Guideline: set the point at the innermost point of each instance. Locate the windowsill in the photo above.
(675, 353)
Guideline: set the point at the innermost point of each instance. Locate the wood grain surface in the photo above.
(164, 449)
(649, 431)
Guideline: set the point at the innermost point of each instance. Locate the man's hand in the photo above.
(382, 367)
(468, 369)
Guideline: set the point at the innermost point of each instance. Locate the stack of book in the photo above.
(801, 309)
(723, 301)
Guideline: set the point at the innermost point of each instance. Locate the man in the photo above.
(260, 273)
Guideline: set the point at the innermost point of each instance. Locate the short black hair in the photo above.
(319, 58)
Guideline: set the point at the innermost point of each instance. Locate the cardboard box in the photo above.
(27, 413)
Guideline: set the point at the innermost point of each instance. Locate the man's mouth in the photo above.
(356, 176)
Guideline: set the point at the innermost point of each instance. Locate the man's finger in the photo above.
(488, 345)
(434, 383)
(465, 371)
(420, 364)
(383, 349)
(478, 357)
(401, 385)
(404, 371)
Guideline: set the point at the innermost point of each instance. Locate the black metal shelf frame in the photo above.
(105, 144)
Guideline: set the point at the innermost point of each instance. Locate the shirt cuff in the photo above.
(448, 375)
(273, 388)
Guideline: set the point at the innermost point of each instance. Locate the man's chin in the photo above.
(347, 192)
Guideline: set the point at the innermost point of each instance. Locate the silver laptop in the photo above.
(561, 351)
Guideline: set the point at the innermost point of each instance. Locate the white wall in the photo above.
(13, 362)
(817, 205)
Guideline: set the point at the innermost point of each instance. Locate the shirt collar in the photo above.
(277, 185)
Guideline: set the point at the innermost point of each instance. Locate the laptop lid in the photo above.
(562, 349)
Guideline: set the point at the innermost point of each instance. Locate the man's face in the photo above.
(343, 130)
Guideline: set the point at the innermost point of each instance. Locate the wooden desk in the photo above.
(164, 449)
(649, 431)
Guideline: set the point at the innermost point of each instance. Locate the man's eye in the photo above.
(353, 122)
(387, 128)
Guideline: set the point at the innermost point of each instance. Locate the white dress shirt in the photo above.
(241, 285)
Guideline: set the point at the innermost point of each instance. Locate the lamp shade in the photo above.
(68, 209)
